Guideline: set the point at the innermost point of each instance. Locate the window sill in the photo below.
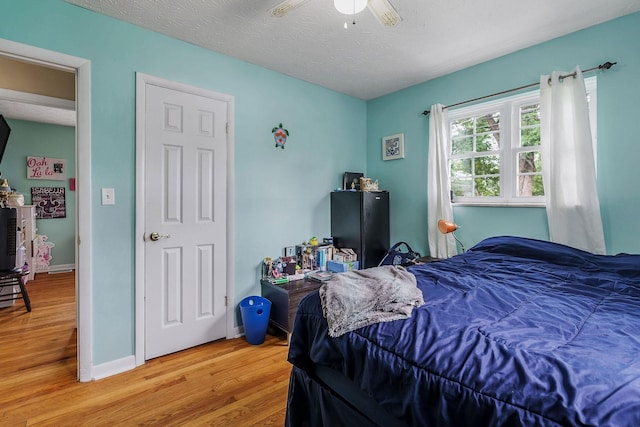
(500, 204)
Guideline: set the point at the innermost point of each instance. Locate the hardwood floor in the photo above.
(228, 382)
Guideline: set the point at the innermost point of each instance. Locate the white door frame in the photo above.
(82, 68)
(141, 81)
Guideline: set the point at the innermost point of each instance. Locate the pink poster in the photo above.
(45, 168)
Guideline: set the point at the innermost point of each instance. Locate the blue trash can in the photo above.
(255, 318)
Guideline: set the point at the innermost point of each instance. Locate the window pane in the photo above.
(461, 177)
(488, 142)
(529, 136)
(461, 166)
(488, 123)
(487, 165)
(462, 127)
(530, 115)
(538, 187)
(530, 125)
(461, 186)
(462, 145)
(530, 185)
(529, 161)
(529, 171)
(487, 186)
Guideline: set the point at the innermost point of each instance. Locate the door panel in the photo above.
(185, 177)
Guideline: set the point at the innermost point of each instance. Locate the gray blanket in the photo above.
(359, 298)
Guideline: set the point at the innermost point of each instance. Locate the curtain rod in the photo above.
(604, 66)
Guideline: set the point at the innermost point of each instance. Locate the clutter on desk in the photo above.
(368, 184)
(345, 255)
(313, 256)
(351, 181)
(355, 181)
(320, 276)
(307, 260)
(5, 192)
(341, 267)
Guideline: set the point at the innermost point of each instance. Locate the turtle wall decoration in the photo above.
(280, 135)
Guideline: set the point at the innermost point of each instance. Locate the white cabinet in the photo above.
(27, 224)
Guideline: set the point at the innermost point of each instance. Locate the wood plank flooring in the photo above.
(228, 382)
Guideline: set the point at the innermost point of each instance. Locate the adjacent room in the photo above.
(140, 245)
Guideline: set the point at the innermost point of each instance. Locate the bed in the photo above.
(514, 332)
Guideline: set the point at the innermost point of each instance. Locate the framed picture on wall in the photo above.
(393, 147)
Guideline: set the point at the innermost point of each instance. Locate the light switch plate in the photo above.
(108, 196)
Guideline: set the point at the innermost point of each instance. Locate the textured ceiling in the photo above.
(367, 60)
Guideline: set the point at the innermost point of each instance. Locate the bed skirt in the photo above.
(312, 403)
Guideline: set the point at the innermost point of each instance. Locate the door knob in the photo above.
(157, 236)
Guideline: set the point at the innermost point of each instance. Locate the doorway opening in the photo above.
(81, 68)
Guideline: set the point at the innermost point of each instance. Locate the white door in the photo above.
(185, 219)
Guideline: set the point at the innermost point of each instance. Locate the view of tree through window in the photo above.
(529, 161)
(475, 154)
(495, 153)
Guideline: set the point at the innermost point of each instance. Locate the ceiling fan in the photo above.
(381, 9)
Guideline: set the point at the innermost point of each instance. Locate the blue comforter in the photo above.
(513, 332)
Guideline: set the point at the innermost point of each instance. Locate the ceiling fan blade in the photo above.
(384, 12)
(285, 7)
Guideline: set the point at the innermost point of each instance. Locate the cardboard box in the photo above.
(341, 267)
(344, 255)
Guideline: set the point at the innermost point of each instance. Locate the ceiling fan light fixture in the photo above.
(350, 7)
(384, 12)
(285, 7)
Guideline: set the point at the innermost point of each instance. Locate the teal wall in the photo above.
(281, 196)
(53, 141)
(618, 145)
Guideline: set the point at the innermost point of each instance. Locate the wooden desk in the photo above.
(285, 298)
(14, 278)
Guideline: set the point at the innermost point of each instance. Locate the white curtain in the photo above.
(568, 166)
(438, 196)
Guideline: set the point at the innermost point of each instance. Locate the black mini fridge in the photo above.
(360, 221)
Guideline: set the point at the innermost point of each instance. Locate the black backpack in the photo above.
(395, 256)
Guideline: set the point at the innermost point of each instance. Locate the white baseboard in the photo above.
(114, 367)
(128, 363)
(238, 332)
(59, 268)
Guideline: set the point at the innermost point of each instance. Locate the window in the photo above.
(495, 153)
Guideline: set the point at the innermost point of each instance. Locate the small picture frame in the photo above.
(393, 147)
(351, 180)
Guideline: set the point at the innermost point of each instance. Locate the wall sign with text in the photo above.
(45, 168)
(49, 202)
